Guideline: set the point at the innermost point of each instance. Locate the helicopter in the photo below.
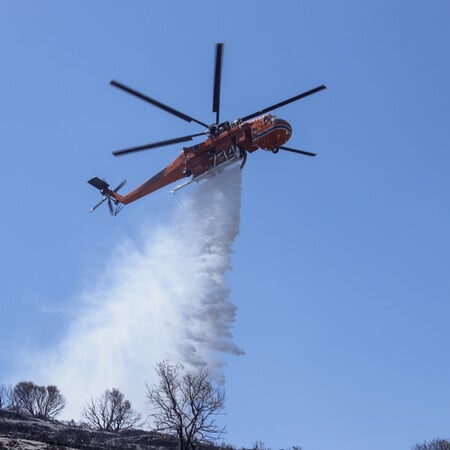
(226, 143)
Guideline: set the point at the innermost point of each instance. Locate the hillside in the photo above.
(19, 431)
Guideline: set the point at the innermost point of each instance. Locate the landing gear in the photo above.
(186, 172)
(275, 150)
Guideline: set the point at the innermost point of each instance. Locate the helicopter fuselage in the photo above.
(226, 143)
(218, 151)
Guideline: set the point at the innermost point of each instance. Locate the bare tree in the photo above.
(186, 404)
(51, 402)
(435, 444)
(40, 401)
(111, 412)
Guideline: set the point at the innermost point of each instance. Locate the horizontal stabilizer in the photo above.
(99, 184)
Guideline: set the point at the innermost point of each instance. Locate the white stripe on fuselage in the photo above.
(271, 130)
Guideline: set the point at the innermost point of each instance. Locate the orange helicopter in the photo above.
(226, 144)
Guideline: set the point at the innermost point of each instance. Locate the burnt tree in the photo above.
(186, 404)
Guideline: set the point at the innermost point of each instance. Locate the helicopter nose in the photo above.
(281, 123)
(282, 131)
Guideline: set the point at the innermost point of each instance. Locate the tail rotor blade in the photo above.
(120, 186)
(98, 204)
(217, 78)
(110, 206)
(300, 152)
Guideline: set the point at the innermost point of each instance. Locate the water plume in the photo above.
(165, 297)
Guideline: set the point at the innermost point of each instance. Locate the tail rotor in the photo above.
(114, 205)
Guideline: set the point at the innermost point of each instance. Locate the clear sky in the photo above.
(340, 272)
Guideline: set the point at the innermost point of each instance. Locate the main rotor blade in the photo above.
(217, 77)
(285, 102)
(156, 144)
(301, 152)
(156, 103)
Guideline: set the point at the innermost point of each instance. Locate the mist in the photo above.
(164, 297)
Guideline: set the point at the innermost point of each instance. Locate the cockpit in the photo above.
(268, 119)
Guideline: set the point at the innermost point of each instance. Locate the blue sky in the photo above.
(341, 269)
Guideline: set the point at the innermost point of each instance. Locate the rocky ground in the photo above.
(18, 431)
